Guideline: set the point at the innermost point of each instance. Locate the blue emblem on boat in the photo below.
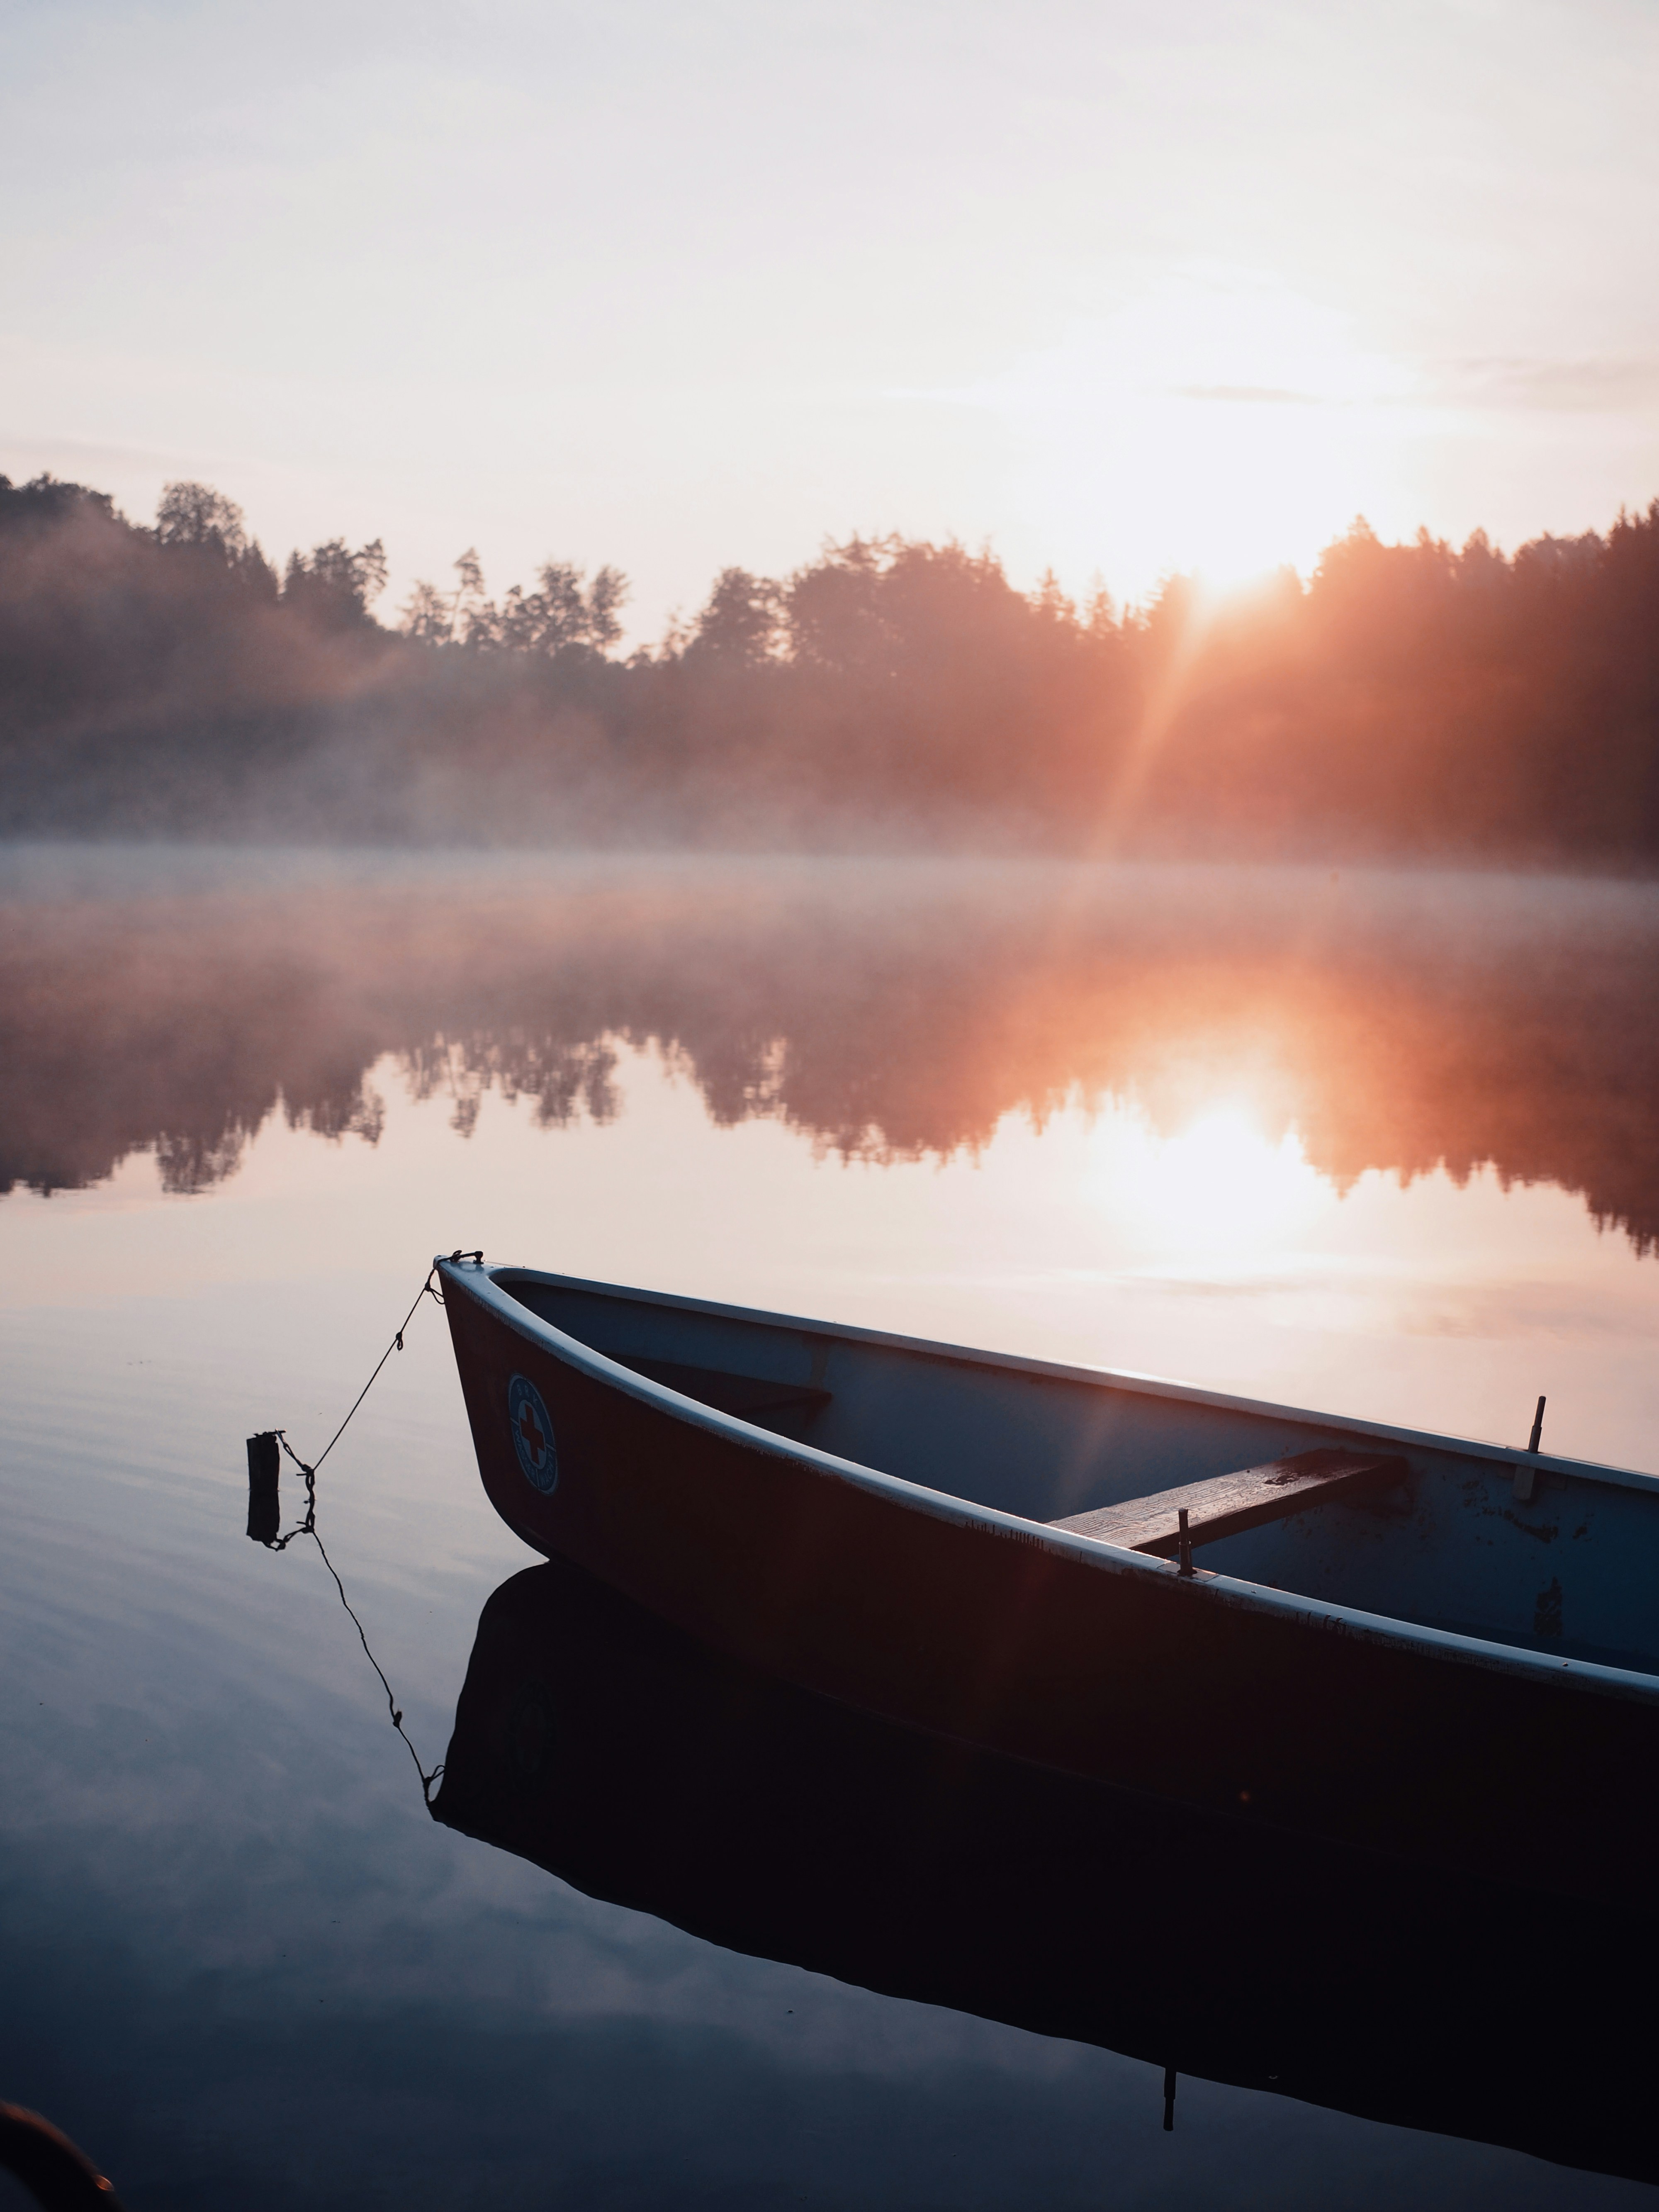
(532, 1435)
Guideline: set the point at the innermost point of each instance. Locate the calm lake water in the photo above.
(1384, 1145)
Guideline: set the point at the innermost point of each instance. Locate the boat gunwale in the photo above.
(479, 1282)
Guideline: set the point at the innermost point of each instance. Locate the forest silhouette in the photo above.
(1407, 700)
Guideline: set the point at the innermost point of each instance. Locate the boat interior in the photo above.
(1548, 1557)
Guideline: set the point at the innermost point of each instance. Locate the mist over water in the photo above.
(1380, 1142)
(885, 1010)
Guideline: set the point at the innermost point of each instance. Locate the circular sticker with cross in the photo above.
(532, 1435)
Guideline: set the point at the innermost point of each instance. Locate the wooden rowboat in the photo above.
(1439, 1648)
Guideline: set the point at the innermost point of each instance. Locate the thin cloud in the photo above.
(1619, 384)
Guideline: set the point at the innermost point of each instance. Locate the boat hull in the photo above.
(1003, 1634)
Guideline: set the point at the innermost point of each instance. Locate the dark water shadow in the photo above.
(605, 1746)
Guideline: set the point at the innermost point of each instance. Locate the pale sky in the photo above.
(1120, 288)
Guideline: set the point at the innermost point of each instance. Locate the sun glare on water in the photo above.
(1218, 1188)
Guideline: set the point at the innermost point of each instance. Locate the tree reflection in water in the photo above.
(887, 1010)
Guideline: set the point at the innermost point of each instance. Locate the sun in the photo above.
(1219, 424)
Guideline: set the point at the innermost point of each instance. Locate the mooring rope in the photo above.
(308, 1526)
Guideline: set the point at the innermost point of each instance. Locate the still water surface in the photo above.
(1388, 1146)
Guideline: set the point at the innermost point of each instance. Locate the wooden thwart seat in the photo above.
(1229, 1503)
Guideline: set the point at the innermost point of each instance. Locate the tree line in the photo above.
(1406, 699)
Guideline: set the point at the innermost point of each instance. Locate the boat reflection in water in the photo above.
(644, 1769)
